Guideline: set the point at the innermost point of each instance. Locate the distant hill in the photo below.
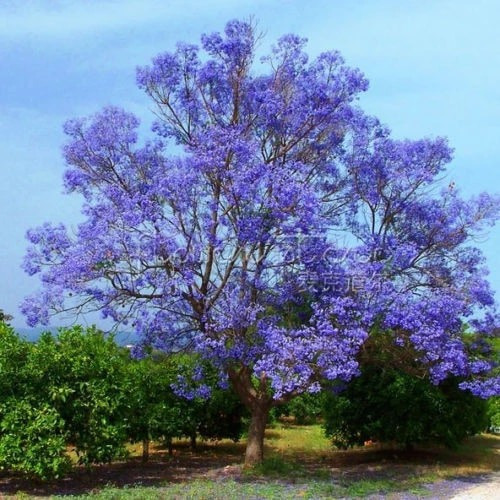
(32, 334)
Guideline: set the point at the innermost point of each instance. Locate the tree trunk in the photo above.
(257, 400)
(193, 441)
(145, 450)
(170, 446)
(254, 453)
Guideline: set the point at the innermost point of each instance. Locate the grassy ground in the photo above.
(300, 463)
(204, 489)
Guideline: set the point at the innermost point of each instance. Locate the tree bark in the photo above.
(193, 441)
(258, 402)
(145, 450)
(254, 452)
(170, 446)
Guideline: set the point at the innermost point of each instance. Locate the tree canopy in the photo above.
(268, 223)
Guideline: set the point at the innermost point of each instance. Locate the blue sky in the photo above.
(433, 66)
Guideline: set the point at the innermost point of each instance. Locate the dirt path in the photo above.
(487, 490)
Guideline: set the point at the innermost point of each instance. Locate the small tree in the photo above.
(14, 355)
(215, 412)
(152, 406)
(394, 399)
(257, 194)
(4, 317)
(67, 389)
(221, 416)
(82, 374)
(306, 408)
(494, 415)
(494, 402)
(177, 395)
(32, 433)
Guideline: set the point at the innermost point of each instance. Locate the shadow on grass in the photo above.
(289, 459)
(183, 465)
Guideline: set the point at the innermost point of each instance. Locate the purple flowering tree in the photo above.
(267, 223)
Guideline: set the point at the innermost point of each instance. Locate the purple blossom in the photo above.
(251, 180)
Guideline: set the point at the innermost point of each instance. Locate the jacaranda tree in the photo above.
(267, 223)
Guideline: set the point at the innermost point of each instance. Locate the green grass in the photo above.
(209, 489)
(367, 487)
(196, 489)
(276, 466)
(290, 440)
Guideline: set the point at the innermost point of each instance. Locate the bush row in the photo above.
(79, 392)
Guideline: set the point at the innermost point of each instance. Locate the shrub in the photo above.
(494, 403)
(388, 405)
